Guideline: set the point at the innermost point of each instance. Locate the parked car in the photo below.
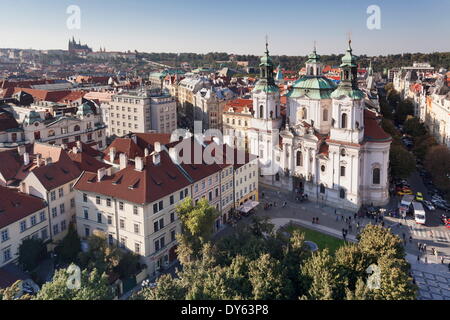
(427, 204)
(441, 205)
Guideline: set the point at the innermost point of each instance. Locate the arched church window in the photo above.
(342, 193)
(344, 121)
(325, 115)
(376, 176)
(271, 114)
(305, 113)
(261, 111)
(343, 152)
(299, 159)
(76, 128)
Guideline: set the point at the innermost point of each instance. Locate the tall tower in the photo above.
(348, 103)
(264, 127)
(313, 64)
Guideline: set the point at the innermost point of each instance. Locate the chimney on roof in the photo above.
(79, 146)
(26, 158)
(21, 150)
(112, 154)
(38, 159)
(100, 174)
(138, 163)
(123, 161)
(48, 161)
(146, 152)
(156, 158)
(158, 146)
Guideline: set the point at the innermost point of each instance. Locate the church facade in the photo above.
(332, 145)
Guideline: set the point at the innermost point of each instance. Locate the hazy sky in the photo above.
(233, 26)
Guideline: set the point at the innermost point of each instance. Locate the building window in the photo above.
(33, 220)
(6, 255)
(376, 176)
(42, 216)
(299, 159)
(62, 208)
(172, 217)
(99, 217)
(342, 193)
(108, 202)
(261, 112)
(23, 226)
(121, 205)
(53, 195)
(44, 234)
(135, 210)
(54, 212)
(322, 188)
(122, 224)
(86, 213)
(72, 203)
(110, 239)
(325, 115)
(172, 235)
(63, 225)
(136, 228)
(84, 197)
(137, 248)
(97, 200)
(305, 113)
(342, 171)
(123, 242)
(171, 200)
(322, 168)
(5, 235)
(55, 229)
(109, 220)
(344, 121)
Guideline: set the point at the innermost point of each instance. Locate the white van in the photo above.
(419, 213)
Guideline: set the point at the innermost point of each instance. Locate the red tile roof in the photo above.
(372, 130)
(10, 164)
(123, 145)
(147, 140)
(7, 121)
(15, 206)
(238, 105)
(149, 185)
(86, 148)
(85, 162)
(64, 96)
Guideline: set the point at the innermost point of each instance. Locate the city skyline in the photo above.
(241, 28)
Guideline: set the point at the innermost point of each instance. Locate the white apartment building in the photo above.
(142, 111)
(21, 217)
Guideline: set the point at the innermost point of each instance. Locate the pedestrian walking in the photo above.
(426, 259)
(262, 195)
(404, 236)
(431, 234)
(350, 228)
(425, 247)
(419, 246)
(442, 260)
(418, 258)
(337, 218)
(410, 239)
(342, 217)
(317, 220)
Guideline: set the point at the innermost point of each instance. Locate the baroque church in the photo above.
(331, 146)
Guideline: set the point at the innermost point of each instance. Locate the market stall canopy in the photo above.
(247, 206)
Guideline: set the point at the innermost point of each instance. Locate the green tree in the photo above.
(69, 247)
(12, 292)
(376, 241)
(361, 291)
(167, 288)
(31, 252)
(437, 162)
(268, 279)
(414, 127)
(396, 284)
(93, 286)
(321, 276)
(197, 223)
(402, 162)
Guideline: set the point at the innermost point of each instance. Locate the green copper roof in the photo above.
(349, 59)
(313, 87)
(262, 85)
(350, 92)
(313, 57)
(84, 109)
(32, 117)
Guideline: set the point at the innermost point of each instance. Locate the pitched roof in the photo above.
(7, 121)
(147, 140)
(15, 206)
(372, 130)
(86, 148)
(86, 162)
(64, 96)
(123, 145)
(10, 164)
(238, 105)
(149, 185)
(57, 173)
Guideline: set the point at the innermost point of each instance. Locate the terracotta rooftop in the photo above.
(372, 130)
(149, 185)
(15, 206)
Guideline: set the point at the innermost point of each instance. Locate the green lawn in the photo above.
(322, 240)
